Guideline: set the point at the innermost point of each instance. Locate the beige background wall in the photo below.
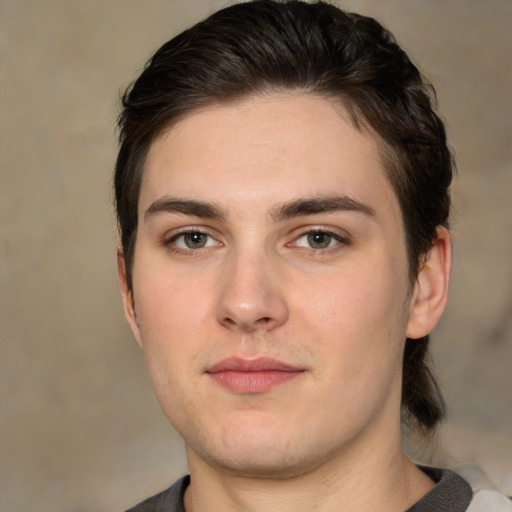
(80, 429)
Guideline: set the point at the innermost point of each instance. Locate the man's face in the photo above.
(270, 285)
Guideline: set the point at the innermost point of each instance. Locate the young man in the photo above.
(282, 190)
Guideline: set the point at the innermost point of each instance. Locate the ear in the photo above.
(431, 287)
(127, 295)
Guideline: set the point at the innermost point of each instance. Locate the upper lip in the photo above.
(239, 364)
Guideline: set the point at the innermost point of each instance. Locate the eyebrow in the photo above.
(322, 204)
(295, 208)
(202, 209)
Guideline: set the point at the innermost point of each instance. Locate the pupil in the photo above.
(319, 240)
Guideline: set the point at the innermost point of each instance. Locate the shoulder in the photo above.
(452, 493)
(486, 498)
(490, 500)
(170, 500)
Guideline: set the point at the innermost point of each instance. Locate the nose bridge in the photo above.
(250, 293)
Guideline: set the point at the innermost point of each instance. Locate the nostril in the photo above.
(264, 321)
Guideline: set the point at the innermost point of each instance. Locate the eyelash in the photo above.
(170, 242)
(336, 237)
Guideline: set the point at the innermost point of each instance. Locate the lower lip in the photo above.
(253, 382)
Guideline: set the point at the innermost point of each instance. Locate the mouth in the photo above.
(252, 376)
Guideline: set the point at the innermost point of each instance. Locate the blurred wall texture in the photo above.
(80, 429)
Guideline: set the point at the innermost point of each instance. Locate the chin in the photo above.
(270, 456)
(262, 465)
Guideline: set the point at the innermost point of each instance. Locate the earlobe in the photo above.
(431, 287)
(127, 295)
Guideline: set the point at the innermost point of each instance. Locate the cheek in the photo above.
(172, 314)
(170, 304)
(359, 329)
(357, 300)
(358, 322)
(169, 314)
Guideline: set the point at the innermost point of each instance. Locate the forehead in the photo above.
(265, 150)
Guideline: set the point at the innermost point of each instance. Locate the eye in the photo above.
(192, 240)
(318, 240)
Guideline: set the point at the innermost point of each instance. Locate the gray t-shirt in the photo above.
(451, 494)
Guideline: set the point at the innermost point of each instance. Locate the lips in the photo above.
(252, 375)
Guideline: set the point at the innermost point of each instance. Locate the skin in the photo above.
(243, 182)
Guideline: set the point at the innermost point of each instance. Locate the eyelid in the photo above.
(170, 238)
(341, 239)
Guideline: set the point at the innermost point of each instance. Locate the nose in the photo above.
(250, 294)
